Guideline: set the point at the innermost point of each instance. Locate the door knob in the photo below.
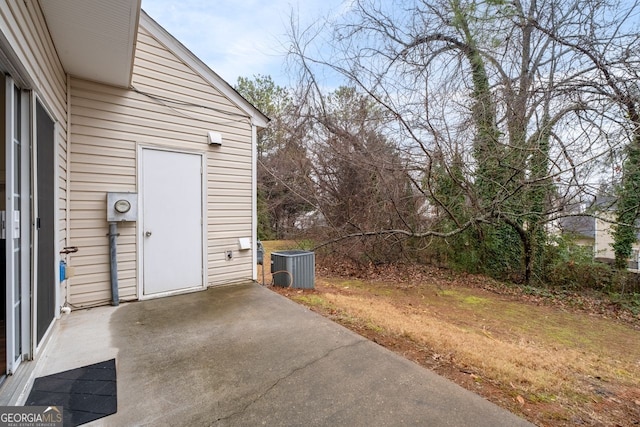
(148, 233)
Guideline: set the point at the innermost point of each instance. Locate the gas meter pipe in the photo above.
(113, 233)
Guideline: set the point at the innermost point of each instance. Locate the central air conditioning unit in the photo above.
(294, 269)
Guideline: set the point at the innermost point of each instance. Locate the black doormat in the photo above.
(86, 393)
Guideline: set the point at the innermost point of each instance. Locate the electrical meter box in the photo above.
(122, 207)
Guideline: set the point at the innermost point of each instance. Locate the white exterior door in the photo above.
(172, 226)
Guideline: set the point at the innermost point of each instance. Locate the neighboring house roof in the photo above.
(95, 39)
(583, 226)
(606, 203)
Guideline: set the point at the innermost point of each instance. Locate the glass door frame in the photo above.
(18, 223)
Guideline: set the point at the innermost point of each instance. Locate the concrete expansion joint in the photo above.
(289, 374)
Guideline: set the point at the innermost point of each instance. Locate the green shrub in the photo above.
(575, 276)
(569, 266)
(629, 301)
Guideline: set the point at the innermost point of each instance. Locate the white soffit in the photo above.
(95, 39)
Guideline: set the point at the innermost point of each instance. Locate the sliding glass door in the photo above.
(17, 222)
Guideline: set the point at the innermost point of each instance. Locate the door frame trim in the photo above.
(25, 272)
(35, 347)
(140, 223)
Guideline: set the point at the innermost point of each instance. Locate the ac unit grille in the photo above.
(295, 268)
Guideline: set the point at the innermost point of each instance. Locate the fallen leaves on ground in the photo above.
(403, 287)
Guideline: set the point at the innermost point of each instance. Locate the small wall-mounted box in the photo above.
(214, 138)
(122, 207)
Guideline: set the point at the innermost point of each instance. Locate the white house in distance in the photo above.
(596, 233)
(97, 98)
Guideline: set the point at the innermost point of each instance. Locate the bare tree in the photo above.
(283, 165)
(492, 97)
(359, 177)
(610, 82)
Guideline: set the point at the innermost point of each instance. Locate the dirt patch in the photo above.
(554, 364)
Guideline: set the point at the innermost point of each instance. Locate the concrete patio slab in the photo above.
(244, 356)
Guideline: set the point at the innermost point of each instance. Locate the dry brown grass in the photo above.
(549, 364)
(538, 368)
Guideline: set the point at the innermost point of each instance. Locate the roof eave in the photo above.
(95, 40)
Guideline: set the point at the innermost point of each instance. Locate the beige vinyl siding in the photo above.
(229, 192)
(169, 106)
(604, 238)
(24, 27)
(103, 159)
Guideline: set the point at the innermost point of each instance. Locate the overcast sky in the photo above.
(237, 37)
